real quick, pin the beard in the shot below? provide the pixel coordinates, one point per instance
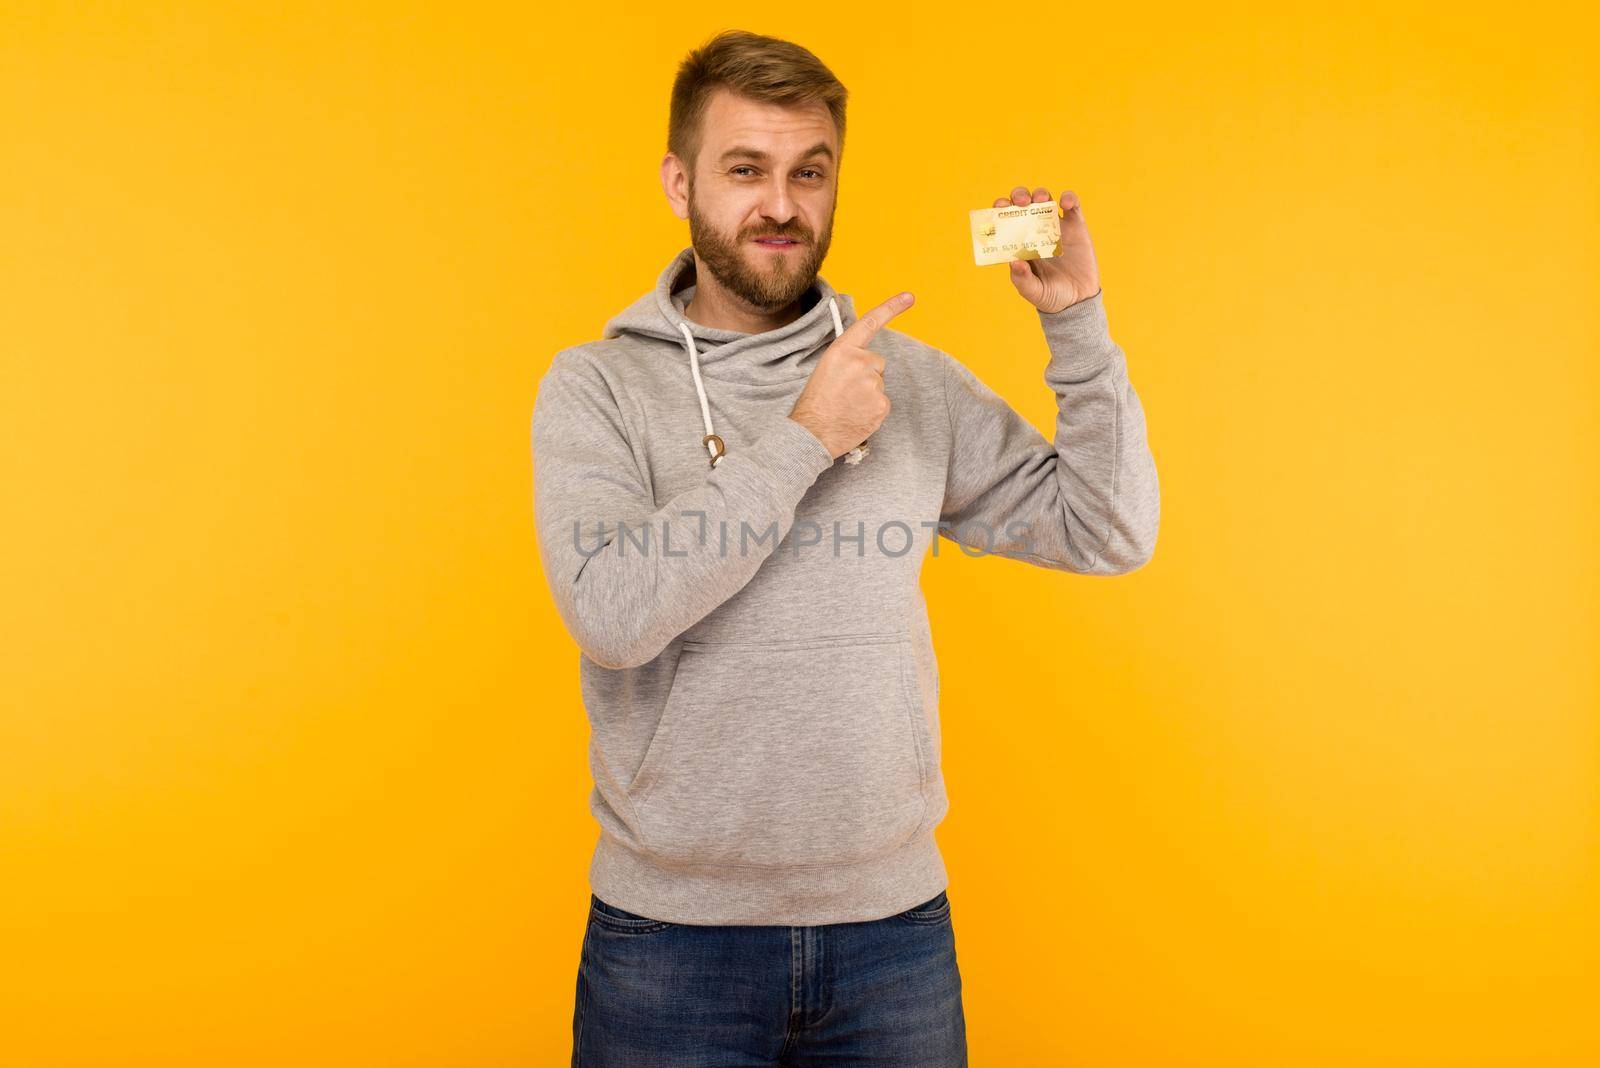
(768, 281)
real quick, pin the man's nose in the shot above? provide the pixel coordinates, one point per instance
(777, 204)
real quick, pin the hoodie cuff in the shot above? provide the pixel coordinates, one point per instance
(1078, 335)
(792, 457)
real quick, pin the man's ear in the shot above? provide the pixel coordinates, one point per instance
(675, 183)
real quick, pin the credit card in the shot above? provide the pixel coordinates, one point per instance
(1025, 232)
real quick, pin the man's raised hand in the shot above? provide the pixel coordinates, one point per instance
(1056, 282)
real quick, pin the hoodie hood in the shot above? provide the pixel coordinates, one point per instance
(774, 355)
(708, 352)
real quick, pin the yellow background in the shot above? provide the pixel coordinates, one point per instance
(292, 760)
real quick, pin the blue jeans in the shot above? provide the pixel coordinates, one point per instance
(875, 994)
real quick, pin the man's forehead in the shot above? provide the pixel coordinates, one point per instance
(733, 123)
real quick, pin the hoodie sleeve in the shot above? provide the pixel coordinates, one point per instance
(1088, 502)
(623, 588)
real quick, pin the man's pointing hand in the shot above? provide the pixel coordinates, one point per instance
(843, 401)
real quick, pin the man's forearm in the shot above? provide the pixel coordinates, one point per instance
(635, 586)
(1087, 500)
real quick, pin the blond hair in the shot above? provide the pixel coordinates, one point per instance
(761, 68)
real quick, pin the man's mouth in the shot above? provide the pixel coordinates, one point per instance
(777, 242)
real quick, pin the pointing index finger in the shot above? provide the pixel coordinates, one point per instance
(862, 330)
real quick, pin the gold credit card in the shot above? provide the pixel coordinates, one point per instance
(1026, 232)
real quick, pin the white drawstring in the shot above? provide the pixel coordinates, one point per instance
(712, 442)
(854, 455)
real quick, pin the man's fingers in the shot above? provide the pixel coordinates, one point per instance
(860, 332)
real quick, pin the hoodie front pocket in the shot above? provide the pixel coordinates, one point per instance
(786, 753)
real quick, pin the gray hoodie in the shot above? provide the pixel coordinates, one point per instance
(755, 656)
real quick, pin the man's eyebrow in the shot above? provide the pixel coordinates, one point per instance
(745, 152)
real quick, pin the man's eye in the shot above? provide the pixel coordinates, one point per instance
(736, 170)
(808, 170)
